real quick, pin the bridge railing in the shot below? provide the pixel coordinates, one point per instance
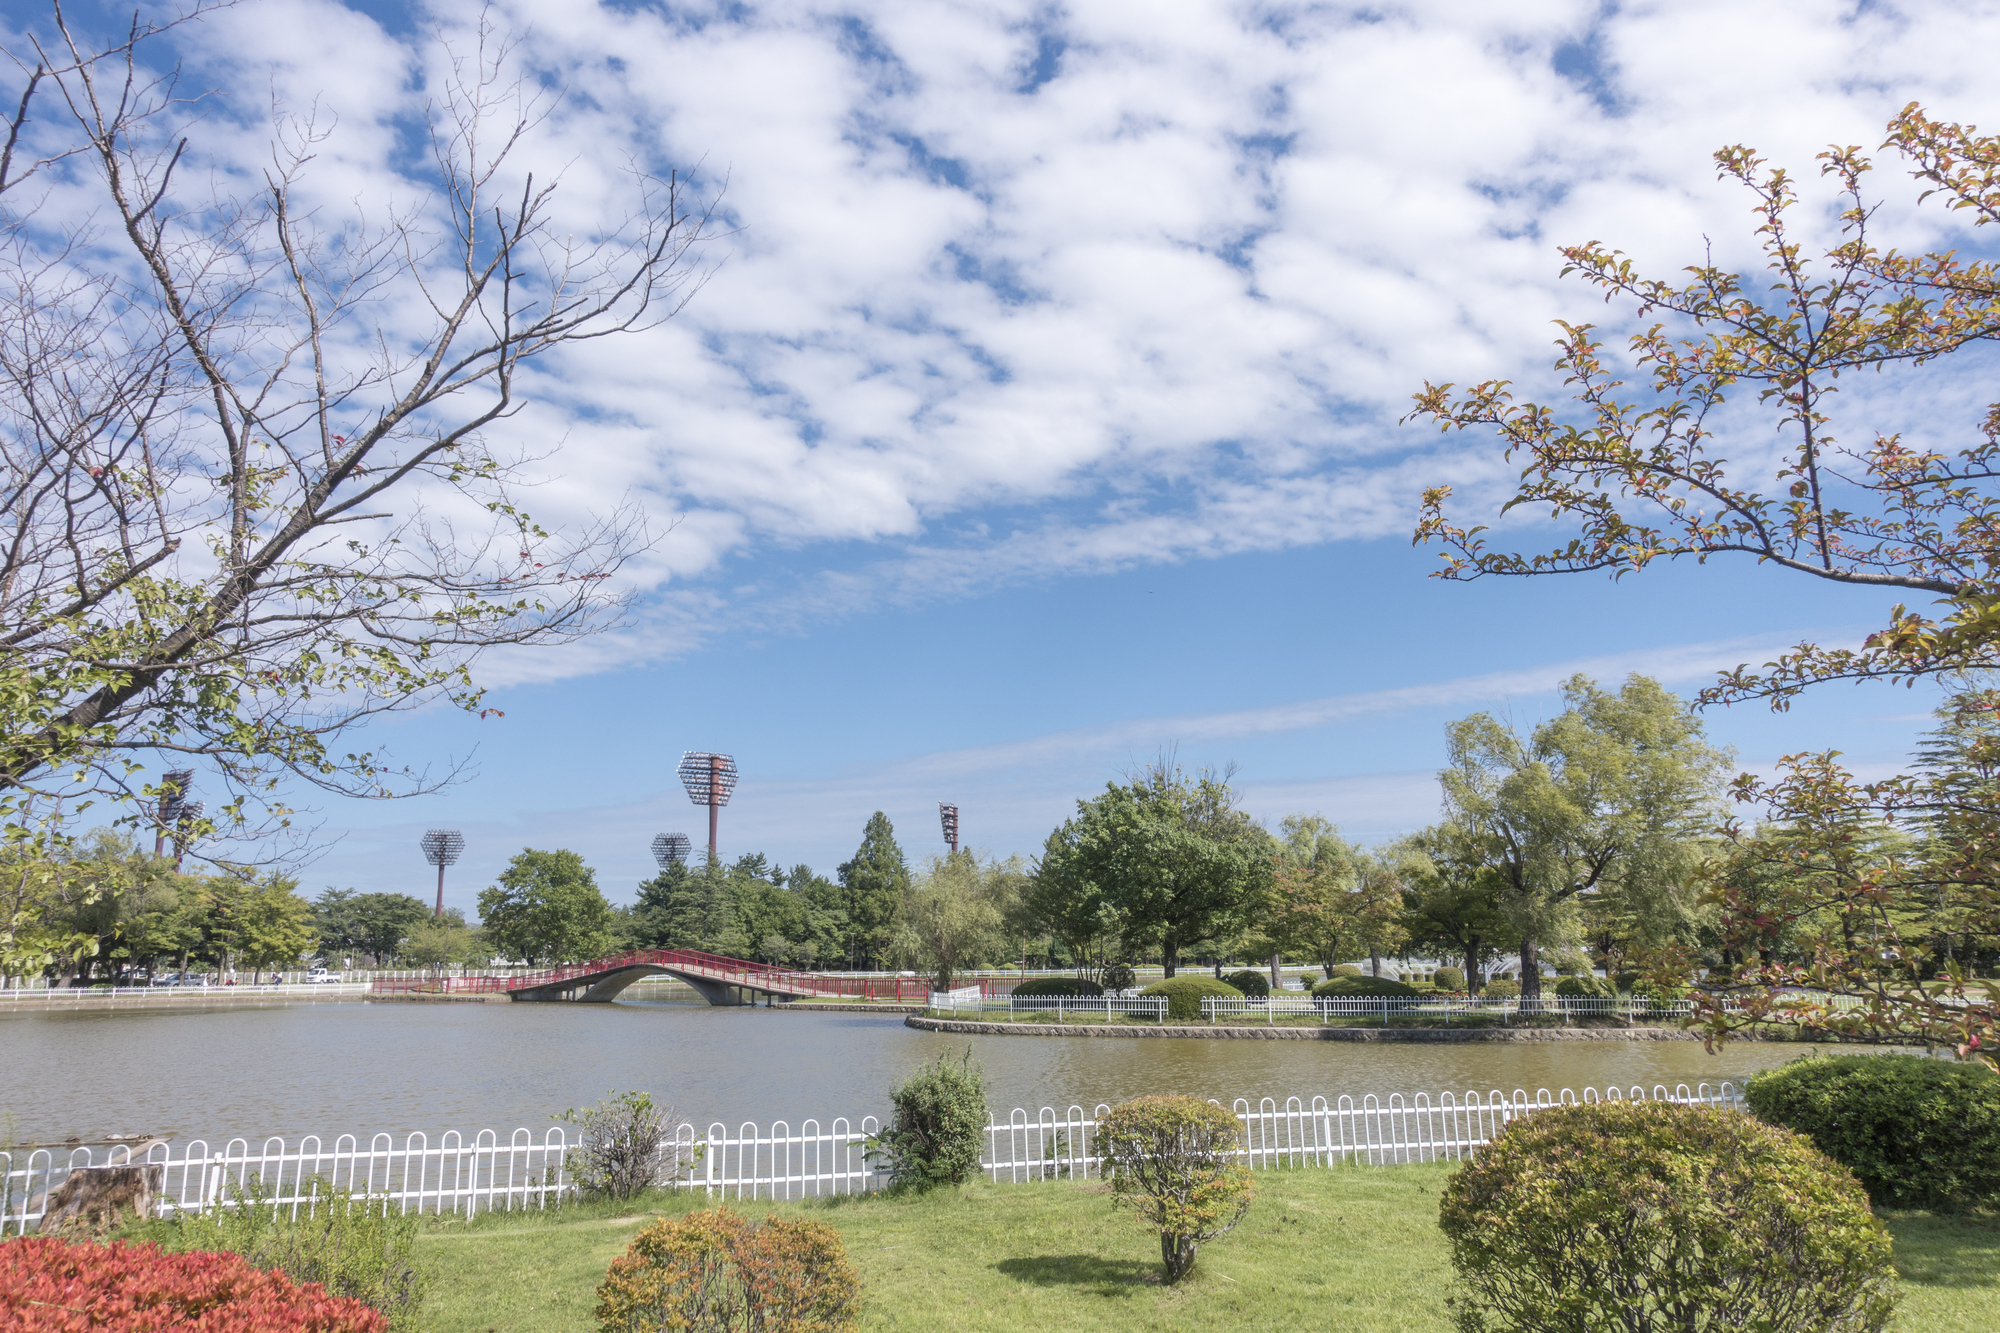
(695, 962)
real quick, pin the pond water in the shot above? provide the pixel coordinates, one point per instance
(361, 1068)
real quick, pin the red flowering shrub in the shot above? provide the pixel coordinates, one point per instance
(51, 1286)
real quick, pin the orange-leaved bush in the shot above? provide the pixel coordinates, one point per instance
(716, 1271)
(52, 1286)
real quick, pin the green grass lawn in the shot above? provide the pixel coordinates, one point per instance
(1343, 1248)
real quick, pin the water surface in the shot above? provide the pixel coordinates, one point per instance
(361, 1068)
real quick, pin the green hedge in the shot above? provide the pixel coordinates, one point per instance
(1630, 1215)
(1502, 989)
(1184, 994)
(1348, 986)
(1918, 1133)
(1448, 978)
(1066, 987)
(1346, 970)
(1585, 988)
(1251, 982)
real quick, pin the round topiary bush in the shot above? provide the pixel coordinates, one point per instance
(717, 1269)
(1185, 994)
(1346, 970)
(1251, 982)
(1648, 1215)
(1918, 1133)
(1068, 988)
(1584, 987)
(1119, 976)
(1342, 987)
(1448, 978)
(1502, 990)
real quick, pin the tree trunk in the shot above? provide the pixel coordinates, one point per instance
(1531, 968)
(1170, 956)
(1276, 979)
(1473, 981)
(1375, 963)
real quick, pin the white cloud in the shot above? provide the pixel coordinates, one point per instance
(1166, 304)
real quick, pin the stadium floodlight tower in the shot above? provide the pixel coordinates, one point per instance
(173, 808)
(709, 778)
(187, 822)
(671, 849)
(948, 816)
(442, 847)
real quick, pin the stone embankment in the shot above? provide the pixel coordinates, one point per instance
(1275, 1033)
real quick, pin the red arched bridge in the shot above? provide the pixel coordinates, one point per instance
(720, 980)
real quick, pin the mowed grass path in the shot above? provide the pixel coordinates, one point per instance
(1344, 1248)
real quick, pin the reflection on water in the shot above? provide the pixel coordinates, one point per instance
(362, 1068)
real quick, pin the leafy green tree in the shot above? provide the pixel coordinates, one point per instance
(1646, 468)
(1608, 797)
(873, 884)
(436, 943)
(1450, 905)
(1168, 857)
(371, 924)
(956, 911)
(255, 922)
(547, 908)
(1327, 900)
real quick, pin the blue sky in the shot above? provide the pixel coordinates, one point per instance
(1040, 413)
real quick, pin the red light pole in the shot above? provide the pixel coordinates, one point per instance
(948, 816)
(709, 778)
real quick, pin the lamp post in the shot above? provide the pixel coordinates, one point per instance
(948, 816)
(709, 778)
(442, 847)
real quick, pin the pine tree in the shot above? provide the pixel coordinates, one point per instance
(872, 886)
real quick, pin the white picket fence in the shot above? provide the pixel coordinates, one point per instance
(1439, 1009)
(135, 997)
(531, 1170)
(1149, 1007)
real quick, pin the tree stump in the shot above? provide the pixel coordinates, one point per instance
(95, 1199)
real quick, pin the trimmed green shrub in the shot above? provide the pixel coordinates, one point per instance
(1585, 987)
(1648, 1215)
(1174, 1157)
(1346, 986)
(1502, 990)
(1918, 1133)
(1448, 978)
(1184, 994)
(1069, 988)
(1251, 982)
(1119, 976)
(1346, 970)
(938, 1128)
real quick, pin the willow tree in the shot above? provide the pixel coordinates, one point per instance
(248, 498)
(1658, 470)
(1611, 798)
